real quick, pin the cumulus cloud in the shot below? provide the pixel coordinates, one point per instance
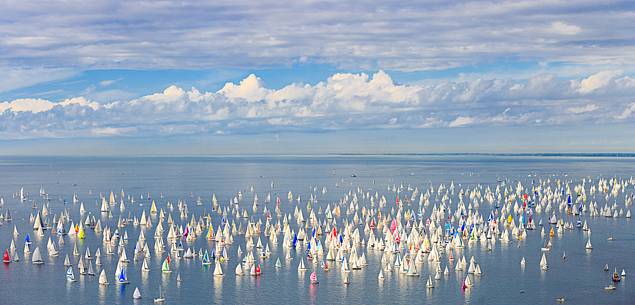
(27, 105)
(598, 80)
(342, 101)
(249, 89)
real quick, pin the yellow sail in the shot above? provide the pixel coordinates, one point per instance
(153, 208)
(210, 233)
(81, 233)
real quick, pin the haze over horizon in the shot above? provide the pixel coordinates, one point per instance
(134, 78)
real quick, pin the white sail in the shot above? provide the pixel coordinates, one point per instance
(543, 262)
(429, 284)
(136, 294)
(103, 279)
(37, 257)
(218, 270)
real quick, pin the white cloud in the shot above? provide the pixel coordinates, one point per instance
(249, 89)
(628, 112)
(462, 121)
(27, 105)
(597, 81)
(248, 34)
(564, 28)
(583, 109)
(111, 131)
(12, 78)
(80, 101)
(342, 101)
(108, 82)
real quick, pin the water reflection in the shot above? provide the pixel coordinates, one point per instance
(102, 293)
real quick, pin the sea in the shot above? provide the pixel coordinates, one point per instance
(580, 279)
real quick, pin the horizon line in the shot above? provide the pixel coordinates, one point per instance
(351, 154)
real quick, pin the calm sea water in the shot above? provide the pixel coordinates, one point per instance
(580, 279)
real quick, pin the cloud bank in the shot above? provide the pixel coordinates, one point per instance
(341, 102)
(390, 35)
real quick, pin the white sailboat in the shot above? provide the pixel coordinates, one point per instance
(103, 279)
(161, 297)
(467, 283)
(137, 294)
(70, 276)
(543, 262)
(429, 284)
(218, 270)
(301, 266)
(37, 257)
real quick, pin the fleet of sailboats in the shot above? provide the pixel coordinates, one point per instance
(313, 236)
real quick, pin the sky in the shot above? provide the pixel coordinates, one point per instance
(316, 77)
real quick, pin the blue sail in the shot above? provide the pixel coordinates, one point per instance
(122, 276)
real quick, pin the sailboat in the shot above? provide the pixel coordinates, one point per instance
(37, 257)
(122, 279)
(239, 269)
(6, 259)
(90, 271)
(301, 266)
(70, 276)
(412, 269)
(255, 270)
(206, 261)
(278, 263)
(103, 280)
(543, 262)
(467, 283)
(218, 270)
(429, 283)
(137, 294)
(616, 276)
(165, 268)
(313, 278)
(588, 244)
(161, 297)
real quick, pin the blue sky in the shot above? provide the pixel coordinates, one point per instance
(136, 77)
